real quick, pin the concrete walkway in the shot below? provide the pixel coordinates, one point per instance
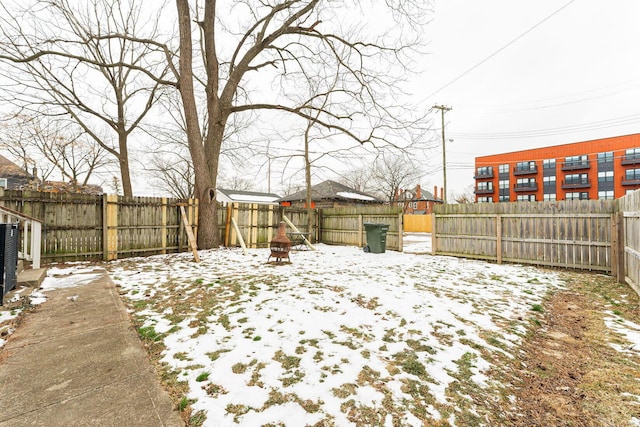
(76, 360)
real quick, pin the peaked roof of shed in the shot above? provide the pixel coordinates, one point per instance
(331, 190)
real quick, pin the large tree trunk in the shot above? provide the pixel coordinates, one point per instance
(202, 157)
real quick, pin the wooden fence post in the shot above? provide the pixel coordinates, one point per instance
(163, 238)
(433, 234)
(110, 227)
(617, 247)
(400, 231)
(499, 239)
(360, 237)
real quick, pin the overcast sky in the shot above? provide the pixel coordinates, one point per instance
(523, 74)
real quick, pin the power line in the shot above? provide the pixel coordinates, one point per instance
(501, 49)
(589, 126)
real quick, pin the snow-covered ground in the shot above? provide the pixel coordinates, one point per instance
(338, 336)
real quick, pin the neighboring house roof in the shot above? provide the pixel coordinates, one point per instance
(417, 194)
(8, 169)
(237, 196)
(331, 190)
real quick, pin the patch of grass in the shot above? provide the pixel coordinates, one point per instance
(214, 355)
(202, 377)
(418, 346)
(239, 368)
(257, 338)
(199, 281)
(148, 333)
(344, 391)
(183, 403)
(287, 362)
(537, 308)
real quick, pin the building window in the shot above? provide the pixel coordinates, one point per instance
(549, 197)
(632, 154)
(526, 198)
(577, 196)
(606, 157)
(549, 181)
(3, 183)
(549, 164)
(503, 198)
(608, 194)
(525, 166)
(503, 168)
(576, 160)
(485, 186)
(605, 176)
(577, 178)
(632, 175)
(485, 171)
(485, 199)
(504, 183)
(526, 183)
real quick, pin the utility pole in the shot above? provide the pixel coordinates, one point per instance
(442, 109)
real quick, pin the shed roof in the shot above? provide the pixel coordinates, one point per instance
(246, 196)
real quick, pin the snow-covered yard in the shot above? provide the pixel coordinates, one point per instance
(338, 335)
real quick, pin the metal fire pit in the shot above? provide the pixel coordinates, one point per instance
(280, 245)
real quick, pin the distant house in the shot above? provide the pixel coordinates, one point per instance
(12, 176)
(417, 201)
(330, 194)
(237, 196)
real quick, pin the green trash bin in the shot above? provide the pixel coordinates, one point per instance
(376, 237)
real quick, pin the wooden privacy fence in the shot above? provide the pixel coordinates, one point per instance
(345, 226)
(569, 234)
(82, 226)
(629, 232)
(258, 223)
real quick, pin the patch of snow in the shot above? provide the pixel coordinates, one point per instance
(356, 196)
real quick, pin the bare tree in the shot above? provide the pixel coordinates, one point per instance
(392, 172)
(360, 178)
(79, 59)
(52, 145)
(288, 42)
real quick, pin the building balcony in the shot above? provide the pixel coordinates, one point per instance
(525, 171)
(523, 188)
(483, 191)
(571, 185)
(486, 175)
(631, 182)
(573, 166)
(631, 159)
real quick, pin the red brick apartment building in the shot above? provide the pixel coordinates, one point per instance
(601, 169)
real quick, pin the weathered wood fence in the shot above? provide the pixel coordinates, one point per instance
(83, 227)
(629, 233)
(569, 234)
(599, 235)
(345, 226)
